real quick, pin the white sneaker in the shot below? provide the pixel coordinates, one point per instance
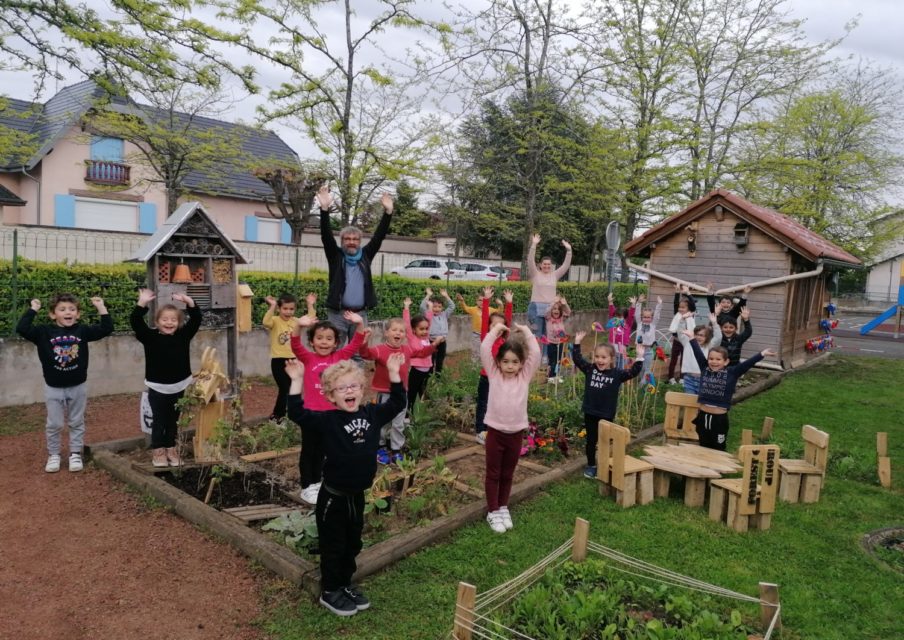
(550, 380)
(482, 437)
(75, 462)
(309, 494)
(494, 519)
(506, 518)
(53, 464)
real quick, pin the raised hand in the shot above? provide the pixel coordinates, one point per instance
(184, 298)
(745, 314)
(444, 293)
(387, 202)
(642, 298)
(98, 303)
(311, 299)
(144, 297)
(567, 245)
(438, 340)
(658, 299)
(352, 317)
(324, 197)
(610, 298)
(428, 292)
(688, 333)
(685, 289)
(768, 352)
(579, 337)
(294, 369)
(271, 301)
(305, 321)
(747, 289)
(640, 350)
(712, 319)
(509, 295)
(460, 298)
(678, 287)
(394, 364)
(535, 239)
(406, 302)
(632, 300)
(488, 293)
(35, 304)
(523, 328)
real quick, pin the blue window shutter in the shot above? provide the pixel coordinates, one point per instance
(251, 228)
(64, 210)
(147, 217)
(285, 232)
(109, 149)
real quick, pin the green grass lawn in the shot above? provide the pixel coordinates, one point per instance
(829, 588)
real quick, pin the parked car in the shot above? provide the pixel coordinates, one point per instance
(485, 272)
(431, 268)
(513, 273)
(633, 275)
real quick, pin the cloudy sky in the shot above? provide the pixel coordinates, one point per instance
(877, 38)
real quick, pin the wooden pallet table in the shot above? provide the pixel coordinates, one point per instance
(694, 463)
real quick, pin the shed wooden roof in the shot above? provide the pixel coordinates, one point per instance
(782, 228)
(179, 217)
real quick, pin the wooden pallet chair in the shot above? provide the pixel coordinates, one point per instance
(748, 501)
(801, 480)
(680, 411)
(630, 479)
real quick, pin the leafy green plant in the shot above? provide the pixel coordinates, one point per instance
(297, 530)
(422, 424)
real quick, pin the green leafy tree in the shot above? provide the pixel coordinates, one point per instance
(408, 219)
(831, 157)
(366, 117)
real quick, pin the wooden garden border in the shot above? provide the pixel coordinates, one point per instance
(288, 564)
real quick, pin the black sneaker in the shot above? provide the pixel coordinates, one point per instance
(338, 602)
(354, 594)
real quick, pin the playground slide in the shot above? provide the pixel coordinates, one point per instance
(875, 322)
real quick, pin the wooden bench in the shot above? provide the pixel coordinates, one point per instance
(801, 480)
(748, 501)
(695, 464)
(680, 411)
(629, 478)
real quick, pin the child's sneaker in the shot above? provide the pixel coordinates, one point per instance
(506, 518)
(75, 462)
(383, 456)
(590, 472)
(397, 456)
(494, 519)
(309, 494)
(354, 594)
(673, 381)
(482, 437)
(339, 603)
(53, 464)
(173, 458)
(159, 458)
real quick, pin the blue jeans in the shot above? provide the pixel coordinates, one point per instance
(691, 383)
(346, 329)
(536, 317)
(647, 361)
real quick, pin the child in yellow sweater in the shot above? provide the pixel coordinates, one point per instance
(280, 321)
(476, 313)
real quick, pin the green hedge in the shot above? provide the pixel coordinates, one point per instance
(118, 285)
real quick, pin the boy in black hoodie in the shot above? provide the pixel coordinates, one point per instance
(63, 352)
(351, 437)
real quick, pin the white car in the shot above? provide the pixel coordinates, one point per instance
(431, 269)
(484, 272)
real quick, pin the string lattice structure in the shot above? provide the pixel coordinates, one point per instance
(485, 603)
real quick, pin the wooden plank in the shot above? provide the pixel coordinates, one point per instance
(798, 466)
(661, 482)
(269, 455)
(789, 486)
(814, 436)
(746, 436)
(679, 468)
(252, 515)
(882, 444)
(766, 431)
(810, 487)
(468, 489)
(581, 534)
(769, 606)
(645, 487)
(147, 467)
(885, 472)
(627, 495)
(464, 611)
(694, 492)
(717, 498)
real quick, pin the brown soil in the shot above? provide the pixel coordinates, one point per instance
(81, 557)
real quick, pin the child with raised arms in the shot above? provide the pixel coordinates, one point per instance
(556, 339)
(602, 382)
(683, 303)
(395, 342)
(437, 310)
(63, 353)
(323, 337)
(475, 313)
(489, 318)
(510, 372)
(707, 336)
(350, 432)
(417, 332)
(646, 329)
(718, 380)
(167, 367)
(621, 325)
(732, 341)
(279, 320)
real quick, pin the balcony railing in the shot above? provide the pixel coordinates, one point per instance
(104, 172)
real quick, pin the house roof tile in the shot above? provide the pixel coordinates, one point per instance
(782, 228)
(10, 199)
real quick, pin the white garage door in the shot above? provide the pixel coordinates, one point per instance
(106, 214)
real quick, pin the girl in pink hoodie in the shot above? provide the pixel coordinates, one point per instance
(509, 373)
(620, 325)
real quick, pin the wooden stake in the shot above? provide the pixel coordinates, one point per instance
(769, 605)
(883, 459)
(581, 533)
(464, 611)
(766, 433)
(746, 436)
(213, 482)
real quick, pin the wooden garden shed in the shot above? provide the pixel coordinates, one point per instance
(724, 239)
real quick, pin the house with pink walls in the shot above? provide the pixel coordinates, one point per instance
(73, 179)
